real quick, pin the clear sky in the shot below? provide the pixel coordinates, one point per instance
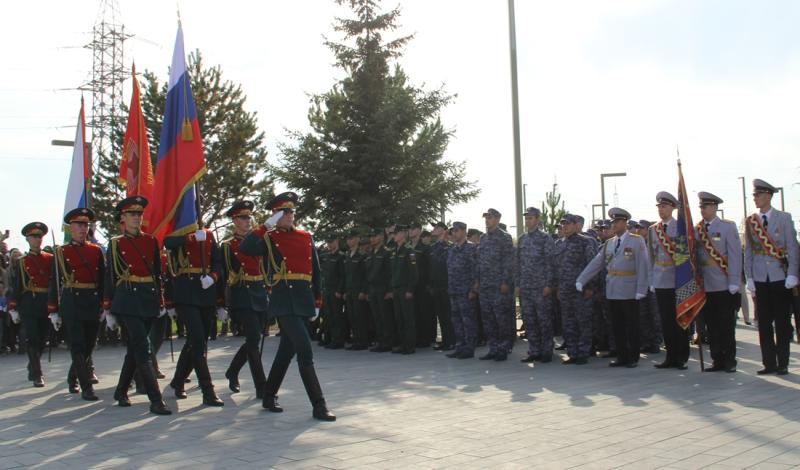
(605, 86)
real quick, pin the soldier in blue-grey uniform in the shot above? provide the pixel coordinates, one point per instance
(770, 265)
(534, 278)
(662, 281)
(627, 280)
(461, 272)
(719, 255)
(494, 281)
(571, 256)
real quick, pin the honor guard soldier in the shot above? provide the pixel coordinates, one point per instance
(662, 281)
(534, 277)
(495, 257)
(27, 301)
(245, 294)
(76, 292)
(195, 265)
(133, 297)
(295, 279)
(404, 281)
(627, 281)
(770, 266)
(719, 254)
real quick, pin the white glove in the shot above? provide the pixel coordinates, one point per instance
(579, 286)
(653, 289)
(791, 281)
(222, 314)
(55, 319)
(172, 313)
(206, 281)
(316, 315)
(111, 321)
(14, 316)
(162, 312)
(273, 219)
(640, 296)
(751, 286)
(733, 288)
(200, 235)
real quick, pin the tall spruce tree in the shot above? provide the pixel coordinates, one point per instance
(552, 210)
(235, 154)
(376, 145)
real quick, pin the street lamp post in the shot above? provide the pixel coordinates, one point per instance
(512, 38)
(780, 190)
(594, 216)
(603, 176)
(744, 198)
(525, 196)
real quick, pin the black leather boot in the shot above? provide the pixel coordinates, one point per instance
(157, 369)
(257, 371)
(182, 369)
(148, 376)
(36, 368)
(210, 398)
(314, 391)
(72, 380)
(270, 398)
(82, 372)
(124, 383)
(90, 371)
(232, 374)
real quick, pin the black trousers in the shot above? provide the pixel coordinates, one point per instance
(198, 322)
(676, 338)
(294, 340)
(625, 322)
(720, 319)
(442, 313)
(773, 301)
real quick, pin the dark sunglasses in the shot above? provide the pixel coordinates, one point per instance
(244, 217)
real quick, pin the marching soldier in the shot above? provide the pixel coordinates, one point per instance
(437, 284)
(27, 299)
(378, 277)
(625, 257)
(332, 269)
(79, 273)
(662, 281)
(294, 268)
(572, 254)
(245, 292)
(719, 254)
(355, 293)
(133, 297)
(195, 265)
(770, 264)
(494, 280)
(535, 280)
(404, 281)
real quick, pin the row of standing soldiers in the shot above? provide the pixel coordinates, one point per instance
(612, 288)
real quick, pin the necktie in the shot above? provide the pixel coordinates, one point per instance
(707, 225)
(616, 247)
(764, 219)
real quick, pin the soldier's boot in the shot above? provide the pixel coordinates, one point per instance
(314, 391)
(90, 370)
(36, 369)
(82, 372)
(232, 374)
(210, 398)
(124, 383)
(257, 370)
(137, 380)
(72, 380)
(147, 374)
(159, 374)
(182, 370)
(276, 374)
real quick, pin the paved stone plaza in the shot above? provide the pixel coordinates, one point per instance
(420, 411)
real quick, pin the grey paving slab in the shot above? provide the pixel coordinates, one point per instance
(420, 411)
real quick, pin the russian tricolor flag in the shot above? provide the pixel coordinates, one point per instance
(78, 184)
(180, 162)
